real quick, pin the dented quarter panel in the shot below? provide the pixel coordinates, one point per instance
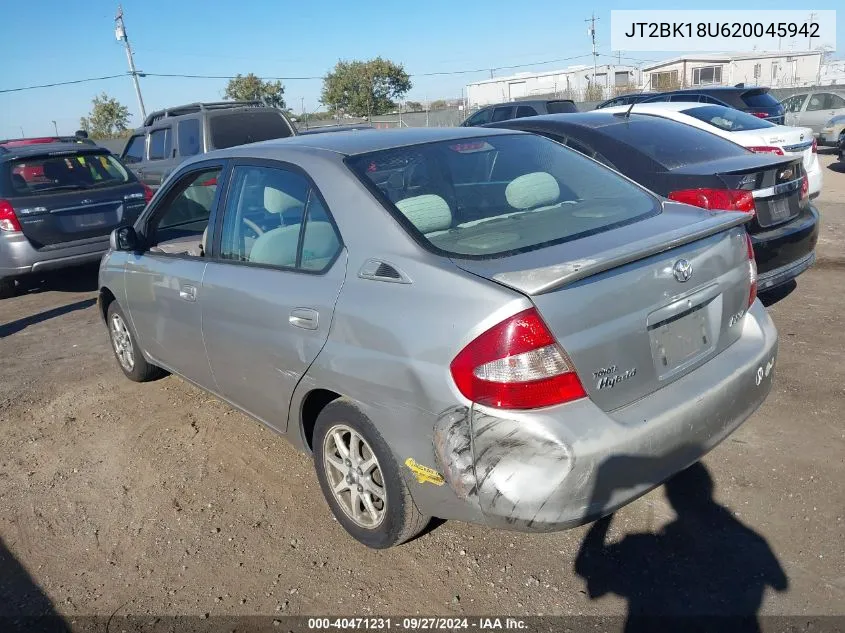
(563, 466)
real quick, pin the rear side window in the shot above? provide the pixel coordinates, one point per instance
(759, 100)
(134, 152)
(727, 119)
(560, 107)
(160, 144)
(240, 128)
(501, 114)
(189, 137)
(671, 143)
(524, 111)
(43, 174)
(485, 197)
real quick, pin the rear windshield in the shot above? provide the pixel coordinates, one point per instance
(728, 119)
(671, 143)
(759, 100)
(65, 172)
(484, 197)
(239, 128)
(560, 107)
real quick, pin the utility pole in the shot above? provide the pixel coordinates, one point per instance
(591, 30)
(809, 40)
(55, 128)
(120, 34)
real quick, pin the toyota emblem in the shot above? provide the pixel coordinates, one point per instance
(682, 270)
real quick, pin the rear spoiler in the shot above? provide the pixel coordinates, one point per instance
(541, 280)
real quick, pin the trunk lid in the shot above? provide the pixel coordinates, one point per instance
(67, 196)
(775, 182)
(796, 142)
(614, 303)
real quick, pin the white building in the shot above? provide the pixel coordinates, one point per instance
(569, 83)
(782, 69)
(833, 73)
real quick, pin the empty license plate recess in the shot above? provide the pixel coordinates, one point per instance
(680, 340)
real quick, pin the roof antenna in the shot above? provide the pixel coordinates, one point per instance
(628, 111)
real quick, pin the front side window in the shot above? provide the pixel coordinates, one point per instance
(817, 102)
(479, 118)
(274, 217)
(179, 224)
(497, 195)
(728, 119)
(793, 104)
(189, 137)
(160, 144)
(134, 152)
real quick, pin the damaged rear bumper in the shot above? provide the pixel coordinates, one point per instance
(563, 466)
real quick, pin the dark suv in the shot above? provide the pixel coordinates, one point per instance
(756, 100)
(518, 110)
(58, 203)
(172, 135)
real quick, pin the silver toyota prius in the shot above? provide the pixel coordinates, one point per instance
(469, 324)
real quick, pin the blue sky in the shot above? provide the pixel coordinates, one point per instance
(57, 41)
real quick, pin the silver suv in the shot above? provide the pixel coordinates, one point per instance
(173, 135)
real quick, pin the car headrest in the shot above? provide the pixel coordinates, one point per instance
(277, 201)
(429, 212)
(55, 170)
(532, 190)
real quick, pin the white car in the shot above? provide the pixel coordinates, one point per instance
(743, 129)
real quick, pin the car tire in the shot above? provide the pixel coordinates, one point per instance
(7, 288)
(396, 518)
(125, 348)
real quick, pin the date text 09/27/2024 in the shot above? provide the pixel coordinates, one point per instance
(417, 623)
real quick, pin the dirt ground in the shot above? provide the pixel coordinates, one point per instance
(120, 498)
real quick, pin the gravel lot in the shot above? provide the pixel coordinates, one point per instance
(119, 498)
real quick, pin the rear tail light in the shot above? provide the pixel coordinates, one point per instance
(148, 193)
(815, 146)
(760, 115)
(805, 187)
(8, 220)
(716, 199)
(752, 270)
(766, 149)
(516, 364)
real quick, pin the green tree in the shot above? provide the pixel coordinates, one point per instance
(252, 88)
(365, 88)
(440, 104)
(414, 106)
(108, 118)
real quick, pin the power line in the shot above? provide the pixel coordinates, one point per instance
(186, 76)
(61, 83)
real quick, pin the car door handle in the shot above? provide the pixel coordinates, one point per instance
(188, 293)
(306, 318)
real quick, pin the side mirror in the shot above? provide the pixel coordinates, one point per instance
(123, 238)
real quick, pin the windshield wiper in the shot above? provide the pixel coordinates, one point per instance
(61, 187)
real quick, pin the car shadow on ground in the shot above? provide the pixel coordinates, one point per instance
(23, 605)
(838, 167)
(704, 571)
(7, 329)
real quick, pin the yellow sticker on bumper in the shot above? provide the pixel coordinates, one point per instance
(424, 474)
